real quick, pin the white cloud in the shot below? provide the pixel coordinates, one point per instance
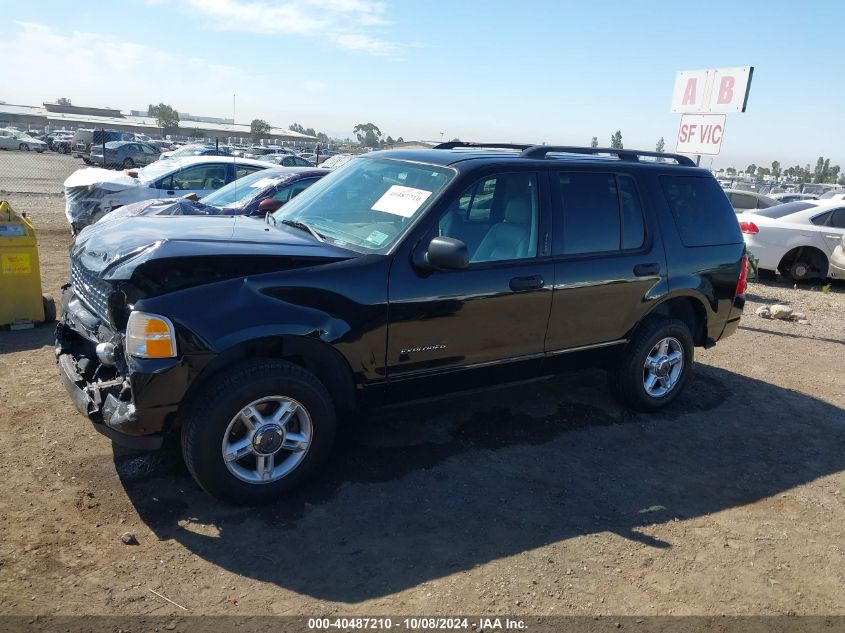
(100, 69)
(347, 23)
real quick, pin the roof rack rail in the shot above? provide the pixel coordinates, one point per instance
(458, 144)
(540, 151)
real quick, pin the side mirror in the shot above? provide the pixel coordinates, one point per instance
(268, 205)
(442, 253)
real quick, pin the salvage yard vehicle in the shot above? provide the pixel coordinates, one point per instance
(744, 201)
(404, 274)
(93, 192)
(84, 140)
(285, 160)
(124, 154)
(796, 239)
(257, 194)
(13, 139)
(195, 150)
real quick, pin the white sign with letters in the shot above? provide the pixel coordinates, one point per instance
(701, 134)
(400, 200)
(719, 90)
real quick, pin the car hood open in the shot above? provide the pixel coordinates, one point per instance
(113, 250)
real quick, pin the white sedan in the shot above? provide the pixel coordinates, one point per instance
(796, 238)
(92, 192)
(12, 139)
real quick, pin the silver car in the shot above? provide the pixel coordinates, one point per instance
(12, 139)
(124, 154)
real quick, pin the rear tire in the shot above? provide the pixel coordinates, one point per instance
(642, 361)
(128, 163)
(220, 418)
(23, 147)
(801, 271)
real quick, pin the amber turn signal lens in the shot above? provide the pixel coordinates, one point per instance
(150, 336)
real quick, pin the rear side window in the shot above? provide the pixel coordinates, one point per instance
(783, 210)
(702, 213)
(601, 213)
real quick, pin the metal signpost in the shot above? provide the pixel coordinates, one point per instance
(704, 98)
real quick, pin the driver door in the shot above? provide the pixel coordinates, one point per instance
(491, 315)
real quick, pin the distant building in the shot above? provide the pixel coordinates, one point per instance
(54, 116)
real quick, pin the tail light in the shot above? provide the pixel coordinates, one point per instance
(742, 284)
(749, 228)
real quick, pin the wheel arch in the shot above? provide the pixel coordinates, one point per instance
(816, 257)
(328, 365)
(687, 308)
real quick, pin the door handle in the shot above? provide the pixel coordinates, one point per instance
(646, 270)
(532, 282)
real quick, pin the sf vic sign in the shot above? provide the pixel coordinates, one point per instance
(703, 97)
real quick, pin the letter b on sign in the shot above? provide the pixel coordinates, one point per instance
(726, 89)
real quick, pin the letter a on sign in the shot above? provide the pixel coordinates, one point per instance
(689, 93)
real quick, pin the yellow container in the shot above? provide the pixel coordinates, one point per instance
(20, 276)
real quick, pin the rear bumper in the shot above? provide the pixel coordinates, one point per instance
(734, 317)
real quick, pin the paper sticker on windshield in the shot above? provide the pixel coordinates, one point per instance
(400, 200)
(377, 238)
(263, 182)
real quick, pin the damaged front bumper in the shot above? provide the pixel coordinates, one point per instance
(130, 402)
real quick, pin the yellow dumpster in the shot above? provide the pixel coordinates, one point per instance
(21, 302)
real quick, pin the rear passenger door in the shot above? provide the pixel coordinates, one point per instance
(609, 259)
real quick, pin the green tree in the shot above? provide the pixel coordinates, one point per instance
(776, 169)
(833, 174)
(296, 127)
(400, 140)
(731, 171)
(258, 129)
(751, 169)
(660, 148)
(818, 173)
(763, 171)
(167, 117)
(594, 142)
(368, 134)
(389, 140)
(616, 140)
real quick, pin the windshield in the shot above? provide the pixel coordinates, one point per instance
(783, 210)
(242, 191)
(369, 203)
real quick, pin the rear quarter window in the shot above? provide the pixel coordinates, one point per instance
(701, 210)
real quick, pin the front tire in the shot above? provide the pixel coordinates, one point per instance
(655, 365)
(23, 147)
(257, 432)
(128, 163)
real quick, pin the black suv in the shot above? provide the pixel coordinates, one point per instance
(401, 275)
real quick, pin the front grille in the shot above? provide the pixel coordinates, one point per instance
(92, 290)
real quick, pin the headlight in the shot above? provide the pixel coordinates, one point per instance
(150, 336)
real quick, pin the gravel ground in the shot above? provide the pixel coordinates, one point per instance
(31, 172)
(541, 498)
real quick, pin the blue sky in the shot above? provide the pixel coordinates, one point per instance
(553, 71)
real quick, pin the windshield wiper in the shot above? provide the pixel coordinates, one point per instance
(304, 227)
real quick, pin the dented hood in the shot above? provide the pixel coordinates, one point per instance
(114, 250)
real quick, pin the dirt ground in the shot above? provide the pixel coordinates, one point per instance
(541, 498)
